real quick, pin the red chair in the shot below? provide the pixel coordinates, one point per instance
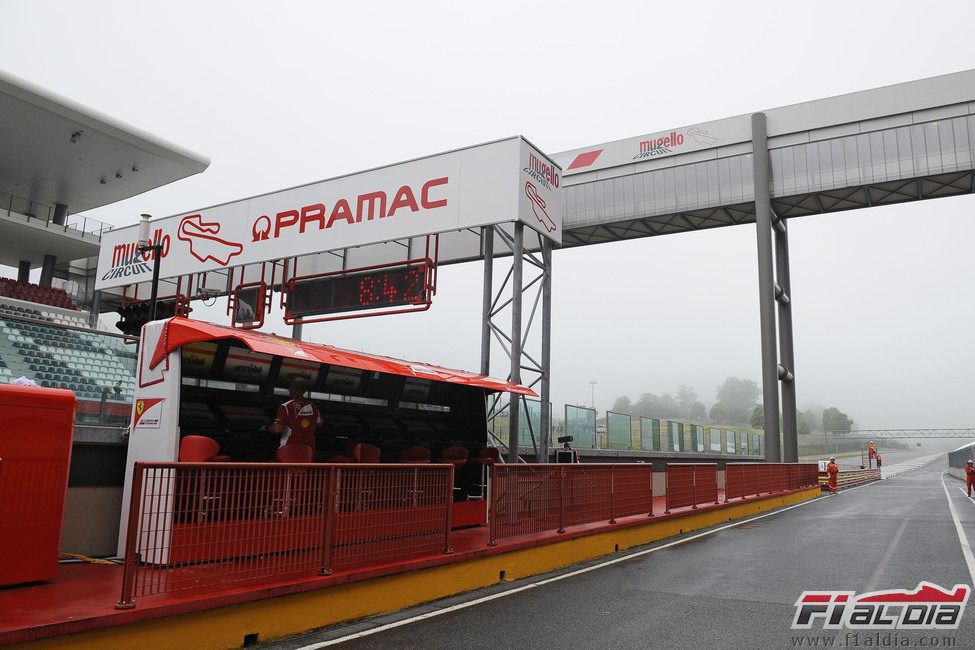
(414, 455)
(294, 453)
(346, 458)
(200, 449)
(456, 456)
(365, 453)
(487, 456)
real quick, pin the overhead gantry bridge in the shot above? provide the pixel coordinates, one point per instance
(906, 142)
(897, 434)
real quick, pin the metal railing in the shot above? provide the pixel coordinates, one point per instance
(197, 525)
(36, 212)
(691, 484)
(531, 499)
(752, 479)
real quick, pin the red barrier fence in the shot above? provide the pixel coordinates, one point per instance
(195, 525)
(690, 484)
(532, 499)
(749, 479)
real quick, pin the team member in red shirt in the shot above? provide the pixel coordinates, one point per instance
(298, 418)
(970, 476)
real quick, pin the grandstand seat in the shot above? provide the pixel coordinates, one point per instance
(200, 449)
(456, 456)
(294, 453)
(347, 458)
(487, 456)
(365, 453)
(414, 455)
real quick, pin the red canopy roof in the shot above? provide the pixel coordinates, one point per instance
(181, 331)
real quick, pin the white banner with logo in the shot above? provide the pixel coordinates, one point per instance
(493, 183)
(708, 135)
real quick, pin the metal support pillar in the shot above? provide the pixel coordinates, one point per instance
(487, 245)
(47, 270)
(766, 286)
(96, 303)
(23, 271)
(544, 393)
(531, 266)
(790, 438)
(60, 214)
(296, 331)
(517, 267)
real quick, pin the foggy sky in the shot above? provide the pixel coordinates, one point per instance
(287, 93)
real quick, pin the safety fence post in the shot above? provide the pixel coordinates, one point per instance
(449, 496)
(612, 494)
(493, 507)
(131, 534)
(331, 507)
(650, 491)
(694, 486)
(561, 499)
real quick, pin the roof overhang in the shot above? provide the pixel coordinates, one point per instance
(182, 331)
(53, 150)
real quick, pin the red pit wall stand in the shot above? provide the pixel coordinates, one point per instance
(35, 453)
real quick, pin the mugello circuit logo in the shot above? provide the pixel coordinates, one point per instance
(202, 237)
(658, 146)
(929, 607)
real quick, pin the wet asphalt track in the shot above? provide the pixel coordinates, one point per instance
(733, 589)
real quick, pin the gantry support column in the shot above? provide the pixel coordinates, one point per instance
(515, 335)
(487, 249)
(766, 287)
(517, 269)
(790, 438)
(544, 393)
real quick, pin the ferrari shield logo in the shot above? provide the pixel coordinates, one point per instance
(140, 406)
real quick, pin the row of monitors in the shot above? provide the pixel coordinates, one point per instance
(246, 366)
(205, 415)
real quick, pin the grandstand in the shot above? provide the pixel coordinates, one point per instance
(57, 161)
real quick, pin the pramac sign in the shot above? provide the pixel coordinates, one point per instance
(493, 183)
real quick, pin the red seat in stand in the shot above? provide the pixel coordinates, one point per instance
(487, 456)
(414, 455)
(294, 453)
(365, 453)
(200, 449)
(346, 458)
(456, 456)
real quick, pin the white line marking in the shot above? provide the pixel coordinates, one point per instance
(962, 538)
(515, 590)
(965, 493)
(872, 583)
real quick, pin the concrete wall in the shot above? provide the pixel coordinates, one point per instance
(91, 517)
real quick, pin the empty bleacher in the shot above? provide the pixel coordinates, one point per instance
(34, 293)
(37, 342)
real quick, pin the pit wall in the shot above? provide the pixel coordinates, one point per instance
(262, 620)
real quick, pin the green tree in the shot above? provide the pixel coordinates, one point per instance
(737, 398)
(623, 405)
(836, 420)
(758, 417)
(758, 420)
(803, 424)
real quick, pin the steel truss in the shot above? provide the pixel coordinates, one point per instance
(888, 434)
(513, 334)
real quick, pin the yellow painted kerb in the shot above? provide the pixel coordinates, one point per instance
(225, 627)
